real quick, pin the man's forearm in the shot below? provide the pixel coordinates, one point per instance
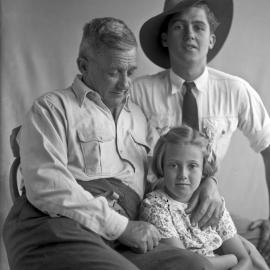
(266, 158)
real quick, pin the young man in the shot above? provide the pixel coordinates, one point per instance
(183, 39)
(84, 159)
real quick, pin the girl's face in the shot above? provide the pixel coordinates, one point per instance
(183, 166)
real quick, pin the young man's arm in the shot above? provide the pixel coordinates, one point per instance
(206, 204)
(264, 225)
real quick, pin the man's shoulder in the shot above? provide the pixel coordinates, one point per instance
(221, 76)
(146, 85)
(55, 97)
(151, 78)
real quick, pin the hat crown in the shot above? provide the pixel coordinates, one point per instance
(169, 4)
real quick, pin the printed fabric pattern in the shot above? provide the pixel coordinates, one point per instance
(171, 220)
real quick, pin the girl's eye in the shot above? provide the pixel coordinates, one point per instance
(172, 165)
(193, 165)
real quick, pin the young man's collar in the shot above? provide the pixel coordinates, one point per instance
(177, 81)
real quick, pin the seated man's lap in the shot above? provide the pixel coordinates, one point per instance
(36, 241)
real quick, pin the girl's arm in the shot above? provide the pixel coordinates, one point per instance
(173, 241)
(223, 262)
(235, 246)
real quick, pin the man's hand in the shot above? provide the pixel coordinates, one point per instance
(264, 241)
(206, 205)
(140, 236)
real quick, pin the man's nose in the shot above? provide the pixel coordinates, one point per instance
(124, 81)
(189, 31)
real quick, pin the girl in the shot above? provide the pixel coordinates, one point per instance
(181, 158)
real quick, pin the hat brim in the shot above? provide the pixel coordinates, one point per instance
(150, 31)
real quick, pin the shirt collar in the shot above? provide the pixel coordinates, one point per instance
(82, 91)
(177, 81)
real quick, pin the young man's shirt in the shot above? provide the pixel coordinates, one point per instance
(225, 103)
(71, 135)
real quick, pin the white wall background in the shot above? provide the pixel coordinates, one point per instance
(39, 44)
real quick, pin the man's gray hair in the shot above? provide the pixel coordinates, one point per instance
(106, 32)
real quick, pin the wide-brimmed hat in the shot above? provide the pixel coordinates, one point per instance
(150, 31)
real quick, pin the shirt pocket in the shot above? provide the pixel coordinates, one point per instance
(161, 122)
(219, 131)
(94, 145)
(136, 149)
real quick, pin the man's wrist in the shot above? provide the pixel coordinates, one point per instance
(214, 179)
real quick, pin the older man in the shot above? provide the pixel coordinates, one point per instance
(84, 162)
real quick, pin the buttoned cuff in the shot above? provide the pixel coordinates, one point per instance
(115, 225)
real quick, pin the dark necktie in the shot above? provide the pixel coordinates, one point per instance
(190, 109)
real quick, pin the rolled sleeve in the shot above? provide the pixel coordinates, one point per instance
(254, 120)
(263, 140)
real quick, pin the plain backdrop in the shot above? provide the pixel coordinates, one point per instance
(39, 46)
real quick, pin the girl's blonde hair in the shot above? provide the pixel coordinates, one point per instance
(183, 135)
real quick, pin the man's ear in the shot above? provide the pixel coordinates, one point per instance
(164, 39)
(82, 64)
(212, 41)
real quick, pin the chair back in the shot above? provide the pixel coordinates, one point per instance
(15, 191)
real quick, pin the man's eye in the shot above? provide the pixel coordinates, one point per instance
(130, 73)
(178, 26)
(113, 73)
(199, 28)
